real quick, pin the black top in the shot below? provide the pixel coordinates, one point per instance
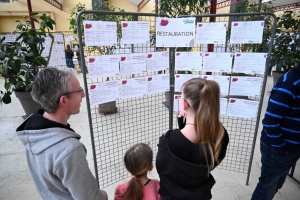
(36, 121)
(182, 167)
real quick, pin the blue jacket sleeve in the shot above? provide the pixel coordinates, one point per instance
(278, 106)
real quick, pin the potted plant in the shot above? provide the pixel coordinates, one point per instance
(287, 42)
(109, 107)
(20, 60)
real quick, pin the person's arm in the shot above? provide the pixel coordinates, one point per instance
(76, 176)
(279, 104)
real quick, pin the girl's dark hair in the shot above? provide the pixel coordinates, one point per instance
(137, 160)
(204, 97)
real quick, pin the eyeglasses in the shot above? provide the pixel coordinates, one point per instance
(67, 93)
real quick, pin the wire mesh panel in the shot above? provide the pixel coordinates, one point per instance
(242, 131)
(117, 125)
(57, 58)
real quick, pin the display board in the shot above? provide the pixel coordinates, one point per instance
(143, 82)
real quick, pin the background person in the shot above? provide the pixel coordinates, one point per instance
(138, 161)
(185, 157)
(69, 54)
(56, 158)
(280, 137)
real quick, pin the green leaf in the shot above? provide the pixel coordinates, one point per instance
(43, 61)
(7, 85)
(29, 54)
(28, 87)
(28, 76)
(34, 19)
(6, 98)
(33, 13)
(2, 55)
(19, 84)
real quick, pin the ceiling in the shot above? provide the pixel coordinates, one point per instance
(135, 2)
(283, 2)
(274, 2)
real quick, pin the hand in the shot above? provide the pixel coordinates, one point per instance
(181, 121)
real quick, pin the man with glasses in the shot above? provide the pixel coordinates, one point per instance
(56, 158)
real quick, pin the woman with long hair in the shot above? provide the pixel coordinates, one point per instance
(69, 57)
(187, 155)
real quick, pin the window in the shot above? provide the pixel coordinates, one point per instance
(4, 1)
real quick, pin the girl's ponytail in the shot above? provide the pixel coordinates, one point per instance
(204, 96)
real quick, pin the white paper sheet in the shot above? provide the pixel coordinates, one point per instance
(104, 92)
(134, 32)
(134, 87)
(245, 86)
(176, 103)
(158, 83)
(223, 82)
(100, 33)
(217, 62)
(223, 106)
(103, 66)
(157, 61)
(249, 32)
(180, 79)
(175, 32)
(211, 33)
(242, 108)
(188, 61)
(132, 63)
(250, 63)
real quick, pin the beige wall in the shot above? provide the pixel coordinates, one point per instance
(123, 4)
(9, 12)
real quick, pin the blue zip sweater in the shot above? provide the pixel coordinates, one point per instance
(281, 125)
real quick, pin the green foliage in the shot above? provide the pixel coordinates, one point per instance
(248, 7)
(96, 17)
(174, 8)
(287, 42)
(20, 60)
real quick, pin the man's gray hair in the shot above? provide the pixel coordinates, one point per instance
(48, 86)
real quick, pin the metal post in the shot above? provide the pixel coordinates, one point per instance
(30, 11)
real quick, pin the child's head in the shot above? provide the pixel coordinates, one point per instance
(138, 161)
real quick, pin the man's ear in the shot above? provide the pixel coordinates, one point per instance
(63, 101)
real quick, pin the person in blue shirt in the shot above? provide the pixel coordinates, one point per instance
(280, 137)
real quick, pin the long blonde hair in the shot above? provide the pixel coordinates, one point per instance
(204, 98)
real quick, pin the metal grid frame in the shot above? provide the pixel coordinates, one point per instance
(144, 119)
(242, 132)
(139, 119)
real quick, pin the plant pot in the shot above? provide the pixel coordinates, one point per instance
(276, 75)
(107, 108)
(27, 102)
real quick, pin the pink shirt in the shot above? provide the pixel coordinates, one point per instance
(150, 190)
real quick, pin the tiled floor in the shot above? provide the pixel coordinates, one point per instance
(16, 183)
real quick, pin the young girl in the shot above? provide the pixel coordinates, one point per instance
(138, 161)
(185, 157)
